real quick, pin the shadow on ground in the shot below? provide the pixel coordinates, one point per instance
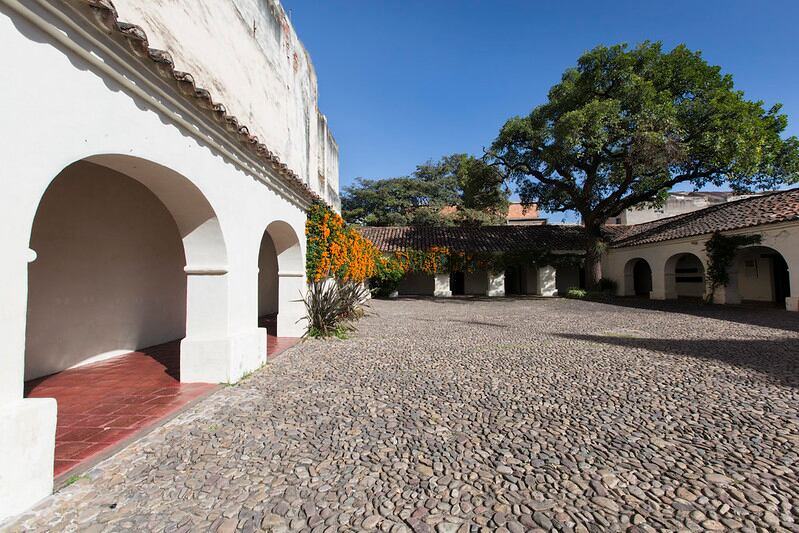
(750, 314)
(776, 358)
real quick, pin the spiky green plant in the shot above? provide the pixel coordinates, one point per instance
(333, 307)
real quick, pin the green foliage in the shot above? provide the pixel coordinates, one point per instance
(721, 251)
(625, 125)
(607, 286)
(576, 293)
(332, 307)
(474, 189)
(387, 277)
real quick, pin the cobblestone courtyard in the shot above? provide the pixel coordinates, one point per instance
(471, 415)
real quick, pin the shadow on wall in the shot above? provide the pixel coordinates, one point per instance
(776, 358)
(109, 276)
(753, 315)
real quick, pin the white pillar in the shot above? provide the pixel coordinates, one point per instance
(496, 284)
(659, 290)
(213, 351)
(792, 302)
(547, 281)
(442, 288)
(27, 426)
(291, 309)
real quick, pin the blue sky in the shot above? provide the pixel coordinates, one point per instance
(409, 80)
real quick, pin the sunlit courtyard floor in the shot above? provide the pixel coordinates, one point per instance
(480, 415)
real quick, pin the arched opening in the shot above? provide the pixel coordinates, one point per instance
(109, 300)
(281, 282)
(763, 276)
(637, 278)
(108, 277)
(684, 276)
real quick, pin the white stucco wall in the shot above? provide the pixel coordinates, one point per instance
(64, 104)
(257, 67)
(781, 237)
(108, 276)
(755, 271)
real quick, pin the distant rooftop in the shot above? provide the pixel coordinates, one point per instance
(492, 239)
(768, 208)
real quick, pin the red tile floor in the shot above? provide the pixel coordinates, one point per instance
(103, 406)
(275, 345)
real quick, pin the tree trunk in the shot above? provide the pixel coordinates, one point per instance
(593, 257)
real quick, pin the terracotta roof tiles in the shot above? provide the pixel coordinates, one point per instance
(106, 16)
(491, 239)
(782, 206)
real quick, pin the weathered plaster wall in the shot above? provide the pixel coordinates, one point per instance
(247, 54)
(755, 274)
(108, 277)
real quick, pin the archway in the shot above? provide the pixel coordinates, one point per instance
(109, 302)
(684, 276)
(281, 281)
(763, 275)
(637, 278)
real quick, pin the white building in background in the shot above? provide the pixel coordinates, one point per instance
(158, 161)
(677, 203)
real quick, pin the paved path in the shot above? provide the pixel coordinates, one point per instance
(503, 415)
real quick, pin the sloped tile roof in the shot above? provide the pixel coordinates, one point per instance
(492, 239)
(106, 17)
(782, 206)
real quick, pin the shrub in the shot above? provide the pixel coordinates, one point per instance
(576, 293)
(607, 286)
(332, 307)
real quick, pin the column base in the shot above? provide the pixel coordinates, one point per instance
(496, 285)
(792, 303)
(441, 287)
(223, 360)
(27, 448)
(547, 281)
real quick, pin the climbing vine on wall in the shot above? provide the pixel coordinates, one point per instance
(336, 249)
(721, 252)
(391, 268)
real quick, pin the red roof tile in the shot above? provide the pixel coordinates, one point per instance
(782, 206)
(105, 15)
(493, 239)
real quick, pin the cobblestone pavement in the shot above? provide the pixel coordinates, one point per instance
(471, 415)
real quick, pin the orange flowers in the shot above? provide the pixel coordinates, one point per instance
(336, 249)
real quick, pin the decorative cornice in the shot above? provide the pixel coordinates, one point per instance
(224, 131)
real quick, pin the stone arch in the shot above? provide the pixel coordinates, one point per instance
(684, 276)
(135, 252)
(281, 281)
(637, 277)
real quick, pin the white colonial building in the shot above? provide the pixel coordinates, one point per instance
(666, 259)
(158, 159)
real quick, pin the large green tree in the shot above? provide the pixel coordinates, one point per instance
(627, 124)
(456, 190)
